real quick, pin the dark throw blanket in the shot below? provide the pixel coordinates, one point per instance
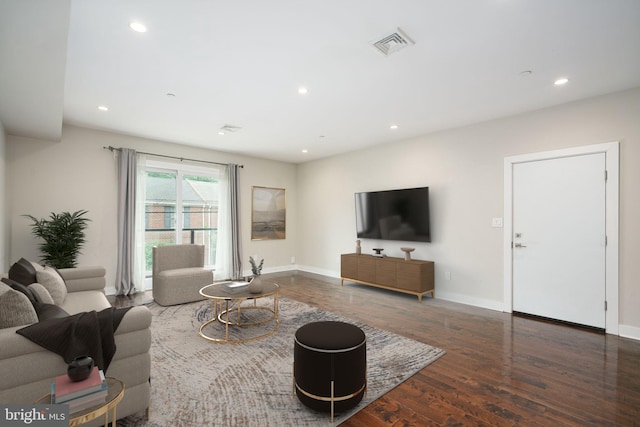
(83, 334)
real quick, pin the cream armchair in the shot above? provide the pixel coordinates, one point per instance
(179, 273)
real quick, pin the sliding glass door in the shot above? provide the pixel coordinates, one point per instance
(181, 207)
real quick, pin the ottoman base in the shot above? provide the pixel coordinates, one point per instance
(330, 366)
(331, 403)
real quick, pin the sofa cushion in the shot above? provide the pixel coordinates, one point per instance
(77, 302)
(41, 292)
(53, 282)
(49, 311)
(16, 310)
(23, 272)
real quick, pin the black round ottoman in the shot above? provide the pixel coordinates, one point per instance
(330, 366)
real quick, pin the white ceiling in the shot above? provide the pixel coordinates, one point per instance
(241, 63)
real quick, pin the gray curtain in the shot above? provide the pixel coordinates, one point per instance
(236, 248)
(127, 173)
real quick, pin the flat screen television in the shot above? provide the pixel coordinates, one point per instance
(394, 215)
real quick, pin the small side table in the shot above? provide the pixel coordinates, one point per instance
(115, 392)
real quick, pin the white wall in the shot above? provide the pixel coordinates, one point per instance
(4, 244)
(463, 168)
(464, 171)
(77, 173)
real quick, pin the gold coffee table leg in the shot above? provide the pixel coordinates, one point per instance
(275, 305)
(226, 332)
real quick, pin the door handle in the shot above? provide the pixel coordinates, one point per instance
(520, 245)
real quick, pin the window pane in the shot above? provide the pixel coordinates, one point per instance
(200, 213)
(160, 212)
(198, 201)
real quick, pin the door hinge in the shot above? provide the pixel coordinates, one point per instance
(606, 175)
(605, 306)
(606, 240)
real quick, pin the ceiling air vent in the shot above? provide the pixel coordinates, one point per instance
(230, 128)
(393, 42)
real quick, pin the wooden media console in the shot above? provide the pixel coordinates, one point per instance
(413, 277)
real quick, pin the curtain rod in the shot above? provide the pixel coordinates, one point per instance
(110, 148)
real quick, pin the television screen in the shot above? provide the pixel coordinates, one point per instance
(394, 215)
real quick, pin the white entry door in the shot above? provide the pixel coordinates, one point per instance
(559, 237)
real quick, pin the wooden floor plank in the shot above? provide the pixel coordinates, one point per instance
(499, 370)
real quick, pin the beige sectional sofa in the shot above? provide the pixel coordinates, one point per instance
(27, 370)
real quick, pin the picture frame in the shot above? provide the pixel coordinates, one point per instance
(268, 213)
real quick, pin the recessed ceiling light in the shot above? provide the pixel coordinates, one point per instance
(305, 150)
(171, 95)
(220, 133)
(302, 90)
(137, 27)
(393, 127)
(526, 73)
(103, 108)
(561, 81)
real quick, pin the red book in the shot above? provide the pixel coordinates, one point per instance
(64, 389)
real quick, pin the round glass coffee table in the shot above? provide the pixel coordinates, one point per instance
(228, 309)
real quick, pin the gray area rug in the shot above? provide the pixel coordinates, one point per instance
(199, 383)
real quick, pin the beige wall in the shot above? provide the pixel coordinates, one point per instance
(463, 168)
(464, 171)
(77, 173)
(4, 244)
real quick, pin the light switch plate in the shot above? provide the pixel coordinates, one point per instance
(496, 222)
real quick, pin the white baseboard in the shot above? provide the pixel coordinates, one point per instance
(469, 300)
(627, 331)
(278, 269)
(319, 271)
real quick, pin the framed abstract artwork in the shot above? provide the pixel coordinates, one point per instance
(268, 213)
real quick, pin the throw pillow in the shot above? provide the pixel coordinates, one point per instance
(41, 292)
(23, 289)
(49, 311)
(4, 288)
(37, 266)
(23, 272)
(16, 310)
(53, 282)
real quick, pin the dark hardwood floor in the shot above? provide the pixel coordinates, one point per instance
(499, 369)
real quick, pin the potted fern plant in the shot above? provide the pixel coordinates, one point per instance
(63, 237)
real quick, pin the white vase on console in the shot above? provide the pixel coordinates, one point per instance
(407, 253)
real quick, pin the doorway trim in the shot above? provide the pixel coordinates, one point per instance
(612, 161)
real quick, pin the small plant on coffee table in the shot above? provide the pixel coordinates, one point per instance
(256, 268)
